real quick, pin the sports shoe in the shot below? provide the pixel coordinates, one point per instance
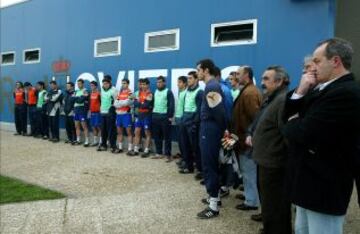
(101, 148)
(198, 176)
(208, 214)
(76, 143)
(186, 171)
(243, 206)
(145, 154)
(94, 144)
(224, 193)
(207, 201)
(86, 144)
(256, 217)
(132, 153)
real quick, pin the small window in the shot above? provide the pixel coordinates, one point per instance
(8, 58)
(234, 33)
(107, 47)
(162, 41)
(31, 56)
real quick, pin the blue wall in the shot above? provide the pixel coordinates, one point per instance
(287, 31)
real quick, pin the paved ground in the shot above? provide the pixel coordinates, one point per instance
(112, 194)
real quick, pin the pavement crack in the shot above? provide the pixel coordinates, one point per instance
(64, 213)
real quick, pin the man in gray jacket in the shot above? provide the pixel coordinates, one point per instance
(270, 152)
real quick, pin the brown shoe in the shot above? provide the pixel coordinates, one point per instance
(240, 196)
(256, 217)
(169, 159)
(176, 156)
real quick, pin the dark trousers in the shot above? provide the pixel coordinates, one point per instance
(179, 132)
(161, 131)
(21, 119)
(190, 140)
(70, 128)
(275, 208)
(227, 175)
(32, 118)
(42, 122)
(210, 143)
(108, 130)
(54, 126)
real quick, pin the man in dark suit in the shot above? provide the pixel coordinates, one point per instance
(323, 127)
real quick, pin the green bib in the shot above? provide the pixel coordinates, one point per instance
(79, 93)
(235, 93)
(180, 105)
(106, 100)
(160, 105)
(190, 101)
(41, 99)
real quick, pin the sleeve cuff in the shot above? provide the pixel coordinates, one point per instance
(296, 96)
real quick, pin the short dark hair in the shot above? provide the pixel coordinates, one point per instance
(41, 83)
(80, 80)
(207, 64)
(53, 82)
(20, 83)
(280, 74)
(108, 77)
(127, 81)
(193, 73)
(161, 78)
(183, 79)
(27, 84)
(217, 72)
(71, 83)
(94, 83)
(339, 47)
(145, 81)
(233, 73)
(249, 71)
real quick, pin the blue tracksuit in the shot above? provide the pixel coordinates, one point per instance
(212, 127)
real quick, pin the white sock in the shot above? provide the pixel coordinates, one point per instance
(146, 150)
(129, 147)
(86, 140)
(136, 148)
(95, 140)
(120, 145)
(100, 140)
(213, 203)
(78, 138)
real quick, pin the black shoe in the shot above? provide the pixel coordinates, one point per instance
(186, 171)
(76, 143)
(224, 193)
(256, 217)
(45, 137)
(182, 165)
(208, 214)
(55, 140)
(242, 206)
(101, 148)
(198, 176)
(117, 151)
(207, 201)
(17, 134)
(94, 144)
(202, 182)
(241, 188)
(145, 154)
(179, 162)
(67, 141)
(86, 144)
(240, 196)
(132, 153)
